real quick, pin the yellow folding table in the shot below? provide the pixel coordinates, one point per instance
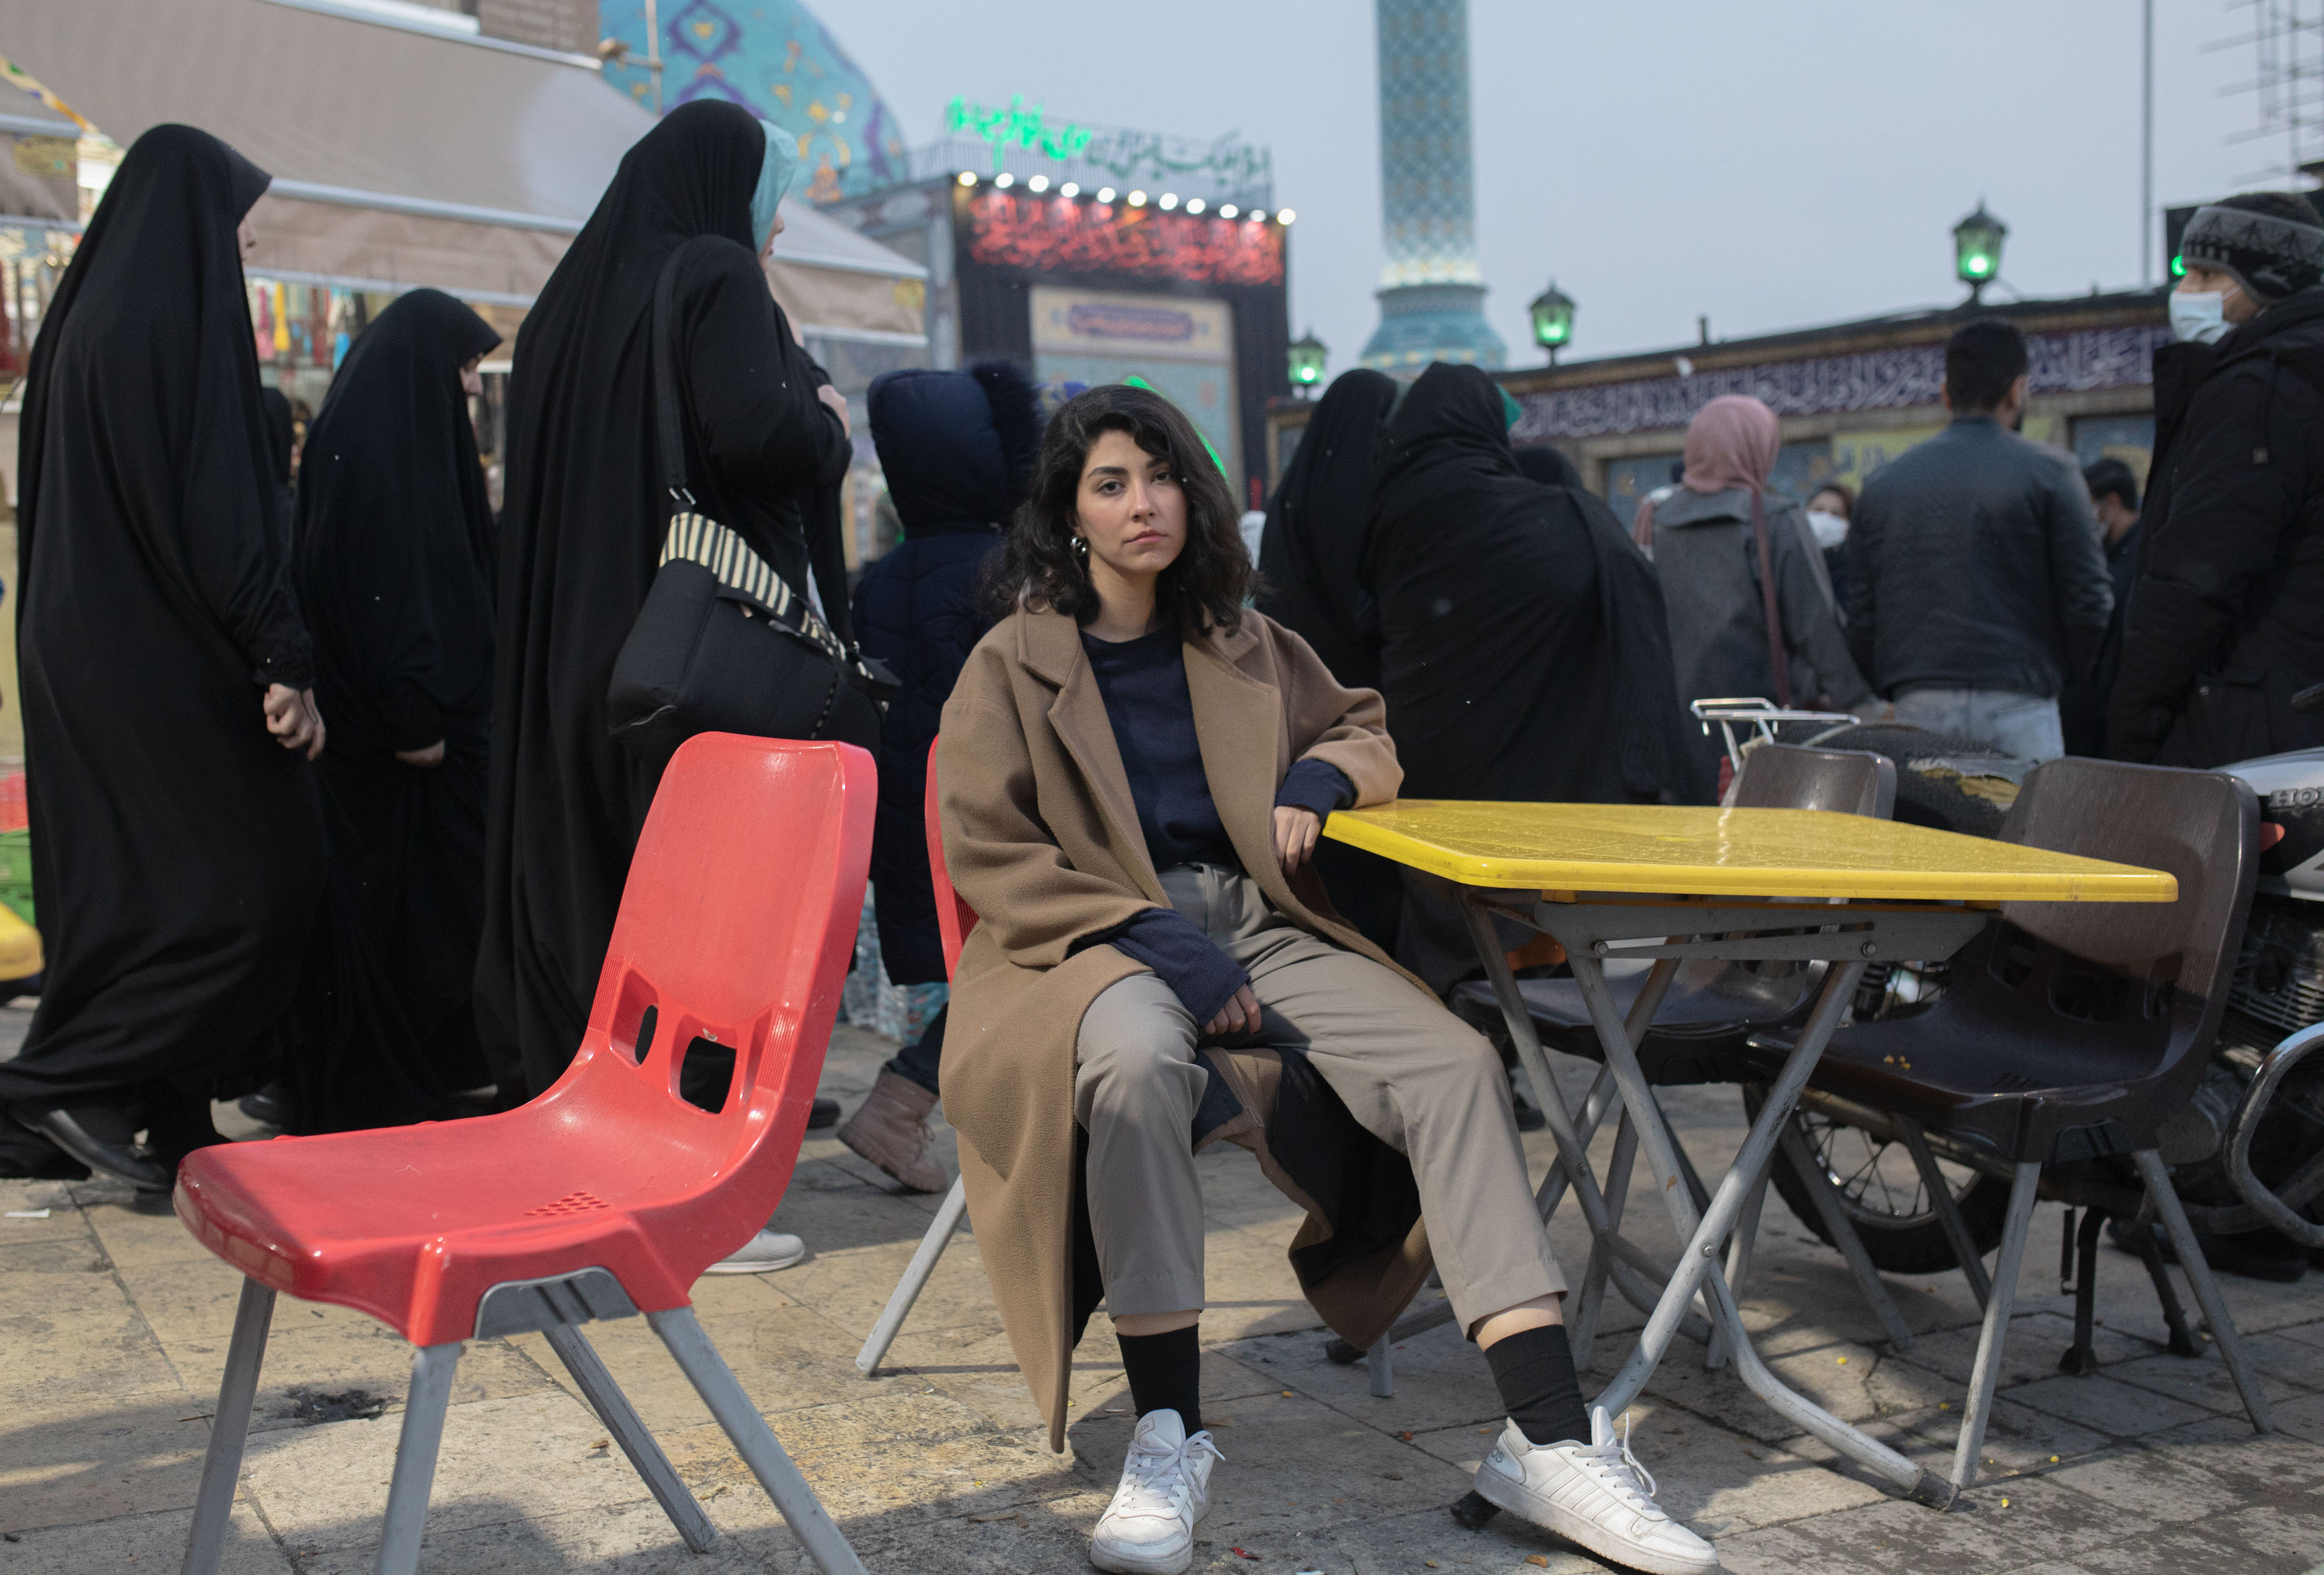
(1673, 882)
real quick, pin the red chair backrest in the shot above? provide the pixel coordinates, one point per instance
(736, 927)
(955, 919)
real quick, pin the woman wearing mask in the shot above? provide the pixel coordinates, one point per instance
(582, 532)
(1522, 655)
(1142, 874)
(177, 833)
(1829, 513)
(1721, 541)
(394, 555)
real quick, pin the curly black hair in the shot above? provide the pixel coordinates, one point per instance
(1038, 566)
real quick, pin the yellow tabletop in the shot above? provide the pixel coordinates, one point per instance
(1691, 851)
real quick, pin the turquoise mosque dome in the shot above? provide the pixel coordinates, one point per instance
(775, 59)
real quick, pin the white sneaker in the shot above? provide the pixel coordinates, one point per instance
(1148, 1529)
(1594, 1494)
(766, 1251)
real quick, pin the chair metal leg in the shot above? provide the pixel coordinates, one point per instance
(754, 1441)
(1941, 1199)
(2081, 1357)
(2022, 1189)
(1812, 1174)
(916, 1278)
(2150, 1253)
(2157, 1177)
(1383, 1367)
(620, 1419)
(432, 1366)
(229, 1429)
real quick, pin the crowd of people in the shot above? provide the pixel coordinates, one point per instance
(333, 792)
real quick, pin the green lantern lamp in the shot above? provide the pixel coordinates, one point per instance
(1553, 320)
(1976, 250)
(1308, 355)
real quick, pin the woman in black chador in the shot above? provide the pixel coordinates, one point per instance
(582, 530)
(394, 553)
(177, 833)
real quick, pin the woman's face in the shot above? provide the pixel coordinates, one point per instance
(472, 376)
(1130, 508)
(1829, 502)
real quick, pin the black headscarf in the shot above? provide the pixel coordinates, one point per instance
(1313, 542)
(582, 529)
(1547, 466)
(394, 538)
(177, 847)
(1524, 651)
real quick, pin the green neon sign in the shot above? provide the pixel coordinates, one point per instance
(1015, 127)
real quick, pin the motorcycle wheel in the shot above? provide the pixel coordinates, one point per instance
(1881, 1192)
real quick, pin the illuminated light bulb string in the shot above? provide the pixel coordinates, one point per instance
(1105, 196)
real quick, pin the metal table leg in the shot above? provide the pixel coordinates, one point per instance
(1706, 1232)
(1631, 1265)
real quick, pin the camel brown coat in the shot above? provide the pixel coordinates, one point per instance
(1041, 838)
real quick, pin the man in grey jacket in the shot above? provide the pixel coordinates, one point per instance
(1979, 584)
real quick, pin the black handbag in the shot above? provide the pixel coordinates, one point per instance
(722, 643)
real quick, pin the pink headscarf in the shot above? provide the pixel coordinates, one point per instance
(1730, 443)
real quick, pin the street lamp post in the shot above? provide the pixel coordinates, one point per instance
(1976, 250)
(1553, 319)
(1308, 355)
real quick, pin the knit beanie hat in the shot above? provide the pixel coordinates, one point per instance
(2271, 242)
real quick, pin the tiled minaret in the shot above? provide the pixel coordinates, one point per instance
(1432, 299)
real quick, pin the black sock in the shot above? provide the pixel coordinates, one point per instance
(1165, 1374)
(1534, 1370)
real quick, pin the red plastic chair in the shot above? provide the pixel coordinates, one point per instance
(954, 919)
(608, 1195)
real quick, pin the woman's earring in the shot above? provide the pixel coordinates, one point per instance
(1081, 548)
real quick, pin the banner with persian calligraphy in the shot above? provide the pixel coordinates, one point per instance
(1059, 235)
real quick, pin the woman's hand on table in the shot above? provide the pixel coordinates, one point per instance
(1296, 831)
(1240, 1014)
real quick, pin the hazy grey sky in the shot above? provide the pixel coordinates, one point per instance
(1772, 165)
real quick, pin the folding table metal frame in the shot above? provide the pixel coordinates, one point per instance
(1673, 882)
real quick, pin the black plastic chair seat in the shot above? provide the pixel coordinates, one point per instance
(1698, 1036)
(2058, 1066)
(2072, 1030)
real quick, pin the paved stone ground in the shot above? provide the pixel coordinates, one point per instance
(114, 1328)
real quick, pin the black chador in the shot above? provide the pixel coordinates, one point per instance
(177, 846)
(394, 552)
(581, 532)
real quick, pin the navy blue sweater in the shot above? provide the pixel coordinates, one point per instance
(1144, 684)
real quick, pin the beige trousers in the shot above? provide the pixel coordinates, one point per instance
(1411, 1073)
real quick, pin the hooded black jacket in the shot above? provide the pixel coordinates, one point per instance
(2226, 615)
(957, 450)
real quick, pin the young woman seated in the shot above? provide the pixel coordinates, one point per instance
(1133, 771)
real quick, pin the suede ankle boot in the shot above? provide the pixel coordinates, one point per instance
(890, 1129)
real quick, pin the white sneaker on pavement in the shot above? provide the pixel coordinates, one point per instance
(1148, 1529)
(1594, 1494)
(766, 1251)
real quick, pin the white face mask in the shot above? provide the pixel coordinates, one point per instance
(2198, 316)
(1830, 530)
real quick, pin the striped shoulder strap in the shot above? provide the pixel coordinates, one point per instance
(698, 539)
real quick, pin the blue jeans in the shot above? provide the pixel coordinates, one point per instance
(2023, 725)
